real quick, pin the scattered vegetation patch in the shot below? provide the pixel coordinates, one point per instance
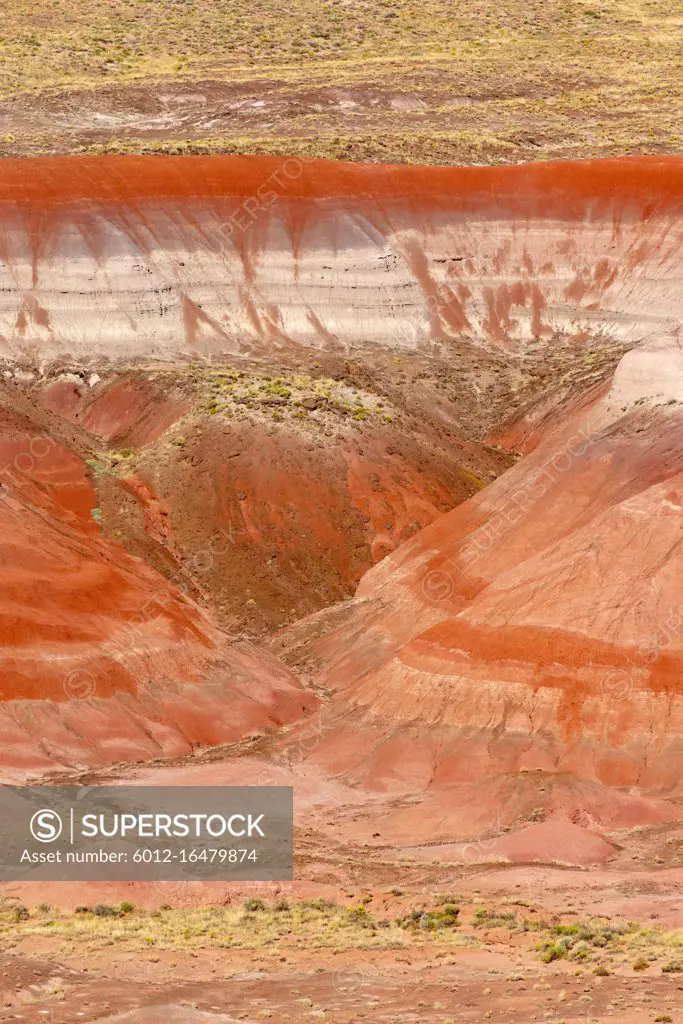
(254, 905)
(99, 467)
(105, 910)
(598, 946)
(430, 920)
(300, 397)
(485, 918)
(257, 923)
(434, 82)
(606, 944)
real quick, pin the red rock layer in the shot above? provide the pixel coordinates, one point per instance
(100, 658)
(122, 257)
(132, 411)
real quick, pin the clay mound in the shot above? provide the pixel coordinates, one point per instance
(538, 625)
(485, 807)
(556, 842)
(101, 658)
(550, 842)
(130, 410)
(271, 510)
(278, 526)
(124, 257)
(168, 1014)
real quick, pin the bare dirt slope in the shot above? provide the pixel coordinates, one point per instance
(102, 658)
(536, 628)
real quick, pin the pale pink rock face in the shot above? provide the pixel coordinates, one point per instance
(121, 257)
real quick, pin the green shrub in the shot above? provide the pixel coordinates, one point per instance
(359, 915)
(484, 918)
(98, 468)
(553, 951)
(430, 920)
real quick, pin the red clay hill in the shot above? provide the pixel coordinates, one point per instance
(321, 382)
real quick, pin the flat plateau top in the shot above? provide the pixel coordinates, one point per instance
(651, 181)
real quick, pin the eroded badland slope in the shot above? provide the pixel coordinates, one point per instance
(373, 488)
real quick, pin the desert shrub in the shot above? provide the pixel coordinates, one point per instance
(484, 918)
(105, 910)
(430, 920)
(254, 904)
(553, 951)
(359, 915)
(319, 904)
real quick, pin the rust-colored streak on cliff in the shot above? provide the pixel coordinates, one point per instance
(134, 256)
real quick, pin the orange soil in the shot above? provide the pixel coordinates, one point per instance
(102, 659)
